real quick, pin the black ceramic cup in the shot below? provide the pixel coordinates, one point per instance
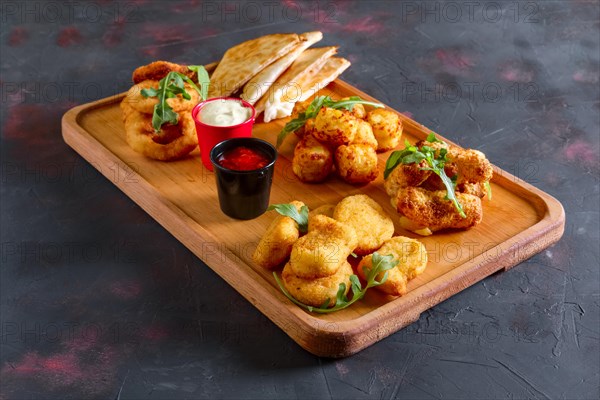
(244, 194)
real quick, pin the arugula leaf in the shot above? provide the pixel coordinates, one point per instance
(380, 264)
(203, 79)
(488, 188)
(413, 155)
(289, 210)
(313, 109)
(169, 87)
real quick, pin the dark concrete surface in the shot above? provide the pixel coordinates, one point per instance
(98, 301)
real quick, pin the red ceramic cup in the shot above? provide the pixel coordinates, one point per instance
(209, 135)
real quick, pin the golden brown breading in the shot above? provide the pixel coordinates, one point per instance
(473, 166)
(364, 135)
(146, 104)
(299, 108)
(358, 110)
(159, 69)
(370, 222)
(405, 175)
(357, 163)
(387, 128)
(432, 209)
(476, 189)
(173, 141)
(275, 246)
(470, 166)
(335, 127)
(312, 160)
(412, 257)
(323, 249)
(315, 292)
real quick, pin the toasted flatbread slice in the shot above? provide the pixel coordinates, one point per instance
(311, 84)
(309, 62)
(242, 62)
(305, 87)
(260, 84)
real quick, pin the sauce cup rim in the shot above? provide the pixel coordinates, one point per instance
(198, 107)
(234, 171)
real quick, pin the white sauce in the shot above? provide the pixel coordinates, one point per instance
(276, 108)
(224, 113)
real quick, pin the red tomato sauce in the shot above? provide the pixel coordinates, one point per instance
(243, 159)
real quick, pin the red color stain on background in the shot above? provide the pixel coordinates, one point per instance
(114, 34)
(165, 33)
(586, 76)
(69, 36)
(186, 6)
(18, 36)
(61, 367)
(155, 333)
(454, 59)
(364, 25)
(25, 121)
(582, 152)
(126, 290)
(513, 73)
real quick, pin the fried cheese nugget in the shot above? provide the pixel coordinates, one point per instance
(335, 127)
(358, 110)
(432, 210)
(412, 260)
(276, 244)
(357, 163)
(315, 292)
(371, 223)
(299, 108)
(323, 249)
(159, 69)
(405, 175)
(364, 135)
(387, 128)
(312, 160)
(470, 166)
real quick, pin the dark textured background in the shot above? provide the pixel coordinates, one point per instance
(98, 300)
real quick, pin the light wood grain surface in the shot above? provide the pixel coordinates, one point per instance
(520, 221)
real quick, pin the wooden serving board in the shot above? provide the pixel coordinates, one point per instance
(520, 221)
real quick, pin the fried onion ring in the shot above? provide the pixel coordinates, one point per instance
(159, 69)
(146, 104)
(173, 142)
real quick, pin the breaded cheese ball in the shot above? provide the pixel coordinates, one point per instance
(313, 161)
(315, 292)
(299, 108)
(357, 163)
(371, 223)
(387, 128)
(412, 260)
(335, 127)
(323, 249)
(276, 244)
(364, 135)
(358, 110)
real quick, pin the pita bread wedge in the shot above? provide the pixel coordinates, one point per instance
(313, 83)
(307, 86)
(260, 84)
(309, 62)
(242, 62)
